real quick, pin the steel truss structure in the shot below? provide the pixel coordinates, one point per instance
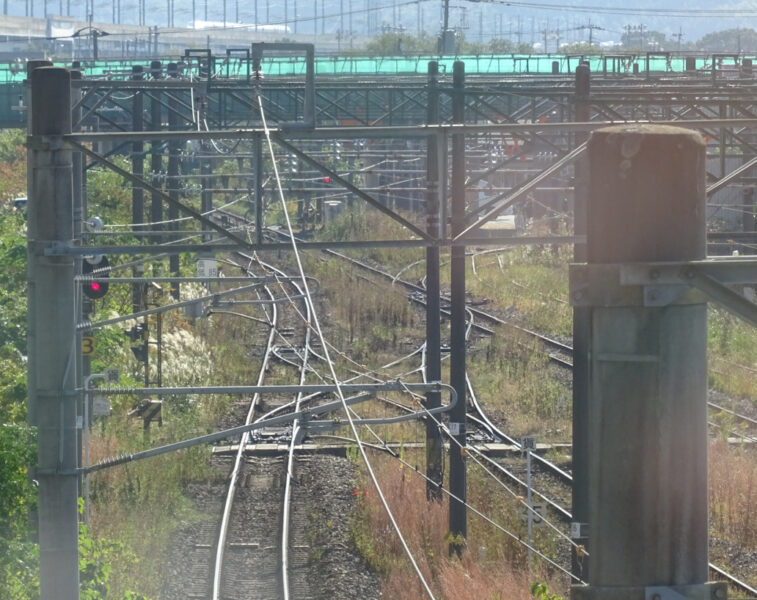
(442, 158)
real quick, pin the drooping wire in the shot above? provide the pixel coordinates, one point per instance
(330, 363)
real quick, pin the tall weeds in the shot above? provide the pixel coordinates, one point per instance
(733, 495)
(484, 571)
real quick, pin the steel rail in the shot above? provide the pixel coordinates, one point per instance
(566, 477)
(285, 517)
(221, 544)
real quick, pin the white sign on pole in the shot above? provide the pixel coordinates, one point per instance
(207, 267)
(101, 406)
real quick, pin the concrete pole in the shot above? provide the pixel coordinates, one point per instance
(433, 319)
(458, 518)
(648, 389)
(30, 67)
(52, 352)
(580, 500)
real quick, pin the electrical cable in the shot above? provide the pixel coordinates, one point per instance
(325, 349)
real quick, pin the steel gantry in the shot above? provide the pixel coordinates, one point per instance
(441, 157)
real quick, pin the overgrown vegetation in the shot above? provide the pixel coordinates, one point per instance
(493, 565)
(733, 495)
(135, 508)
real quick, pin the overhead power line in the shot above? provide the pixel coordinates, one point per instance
(609, 10)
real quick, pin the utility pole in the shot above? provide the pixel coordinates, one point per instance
(458, 519)
(678, 37)
(433, 317)
(648, 365)
(52, 331)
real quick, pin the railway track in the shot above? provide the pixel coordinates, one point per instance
(258, 556)
(559, 353)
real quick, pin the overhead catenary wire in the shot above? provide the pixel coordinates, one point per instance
(488, 519)
(325, 350)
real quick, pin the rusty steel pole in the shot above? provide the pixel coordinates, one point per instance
(579, 490)
(433, 317)
(458, 516)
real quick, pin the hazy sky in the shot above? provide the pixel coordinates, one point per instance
(525, 21)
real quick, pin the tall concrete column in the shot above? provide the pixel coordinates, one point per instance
(52, 351)
(647, 411)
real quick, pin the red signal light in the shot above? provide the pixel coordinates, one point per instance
(327, 180)
(96, 289)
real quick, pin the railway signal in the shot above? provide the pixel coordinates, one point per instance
(96, 289)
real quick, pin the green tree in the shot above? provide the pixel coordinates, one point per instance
(580, 48)
(729, 40)
(398, 44)
(13, 281)
(504, 46)
(12, 143)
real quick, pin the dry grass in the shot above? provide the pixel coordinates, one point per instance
(512, 378)
(485, 571)
(733, 495)
(732, 344)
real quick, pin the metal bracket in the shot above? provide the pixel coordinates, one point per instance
(705, 591)
(44, 142)
(57, 248)
(665, 284)
(594, 285)
(662, 593)
(308, 121)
